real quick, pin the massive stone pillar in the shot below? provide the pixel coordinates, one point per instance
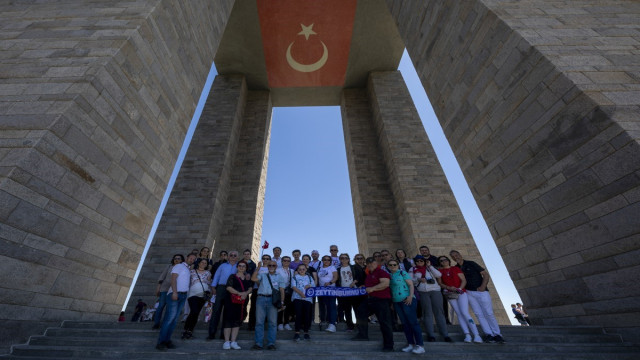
(400, 194)
(217, 198)
(540, 102)
(95, 101)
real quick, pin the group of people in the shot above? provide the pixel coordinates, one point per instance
(380, 288)
(520, 314)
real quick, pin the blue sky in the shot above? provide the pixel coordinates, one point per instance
(308, 199)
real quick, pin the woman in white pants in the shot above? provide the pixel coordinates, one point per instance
(453, 283)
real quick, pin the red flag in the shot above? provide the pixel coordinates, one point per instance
(266, 245)
(306, 42)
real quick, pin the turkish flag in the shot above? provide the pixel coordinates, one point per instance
(306, 42)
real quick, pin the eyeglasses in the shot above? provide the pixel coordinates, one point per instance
(392, 264)
(359, 258)
(234, 255)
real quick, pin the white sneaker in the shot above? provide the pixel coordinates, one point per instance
(331, 328)
(477, 339)
(235, 346)
(280, 327)
(407, 348)
(467, 338)
(287, 327)
(226, 345)
(418, 350)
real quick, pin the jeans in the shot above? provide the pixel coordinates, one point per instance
(410, 323)
(328, 303)
(480, 302)
(432, 306)
(162, 302)
(174, 307)
(266, 311)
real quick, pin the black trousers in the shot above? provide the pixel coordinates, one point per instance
(252, 309)
(195, 306)
(216, 312)
(346, 304)
(303, 314)
(285, 316)
(382, 309)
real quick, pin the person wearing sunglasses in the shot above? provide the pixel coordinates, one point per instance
(219, 289)
(238, 290)
(378, 302)
(164, 282)
(328, 276)
(301, 281)
(346, 278)
(261, 267)
(265, 310)
(427, 280)
(453, 283)
(286, 273)
(405, 304)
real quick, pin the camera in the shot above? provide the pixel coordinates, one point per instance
(431, 281)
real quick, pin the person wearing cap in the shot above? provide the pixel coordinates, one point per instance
(428, 279)
(378, 302)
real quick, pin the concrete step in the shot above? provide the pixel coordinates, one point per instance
(374, 334)
(101, 340)
(316, 344)
(296, 350)
(506, 330)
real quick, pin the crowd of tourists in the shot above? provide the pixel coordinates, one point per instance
(392, 291)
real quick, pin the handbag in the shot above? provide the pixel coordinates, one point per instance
(276, 300)
(451, 295)
(235, 298)
(207, 294)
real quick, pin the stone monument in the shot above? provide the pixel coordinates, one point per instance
(540, 101)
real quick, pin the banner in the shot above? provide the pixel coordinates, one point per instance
(334, 291)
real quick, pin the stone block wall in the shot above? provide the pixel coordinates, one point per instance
(95, 100)
(217, 199)
(401, 197)
(539, 101)
(373, 205)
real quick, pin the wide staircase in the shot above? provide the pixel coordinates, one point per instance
(101, 340)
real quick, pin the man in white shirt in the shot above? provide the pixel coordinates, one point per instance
(176, 297)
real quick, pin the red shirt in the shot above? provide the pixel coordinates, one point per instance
(450, 276)
(373, 279)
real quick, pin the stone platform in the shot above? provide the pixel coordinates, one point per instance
(102, 340)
